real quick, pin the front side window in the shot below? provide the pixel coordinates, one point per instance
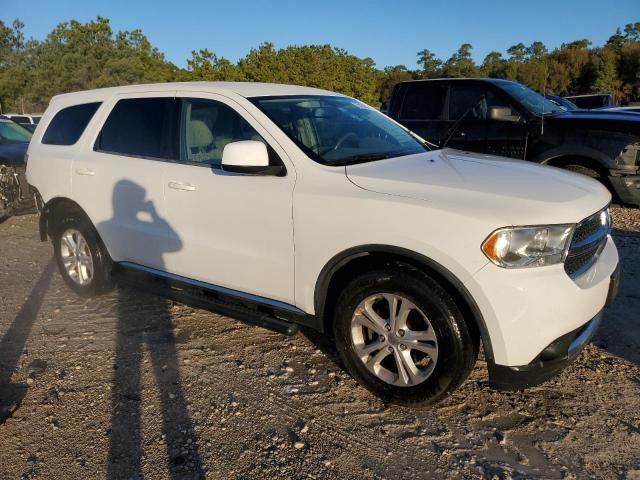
(139, 127)
(207, 127)
(68, 124)
(474, 101)
(20, 119)
(11, 132)
(336, 130)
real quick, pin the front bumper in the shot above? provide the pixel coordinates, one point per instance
(627, 188)
(556, 356)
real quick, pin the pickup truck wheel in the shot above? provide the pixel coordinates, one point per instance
(401, 335)
(82, 259)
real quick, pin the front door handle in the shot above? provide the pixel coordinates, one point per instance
(181, 186)
(85, 171)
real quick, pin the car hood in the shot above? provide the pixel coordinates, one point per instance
(512, 192)
(13, 153)
(598, 120)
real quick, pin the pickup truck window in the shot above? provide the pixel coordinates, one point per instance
(424, 101)
(336, 130)
(532, 101)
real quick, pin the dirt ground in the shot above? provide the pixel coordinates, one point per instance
(130, 385)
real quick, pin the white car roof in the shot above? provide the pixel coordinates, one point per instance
(244, 89)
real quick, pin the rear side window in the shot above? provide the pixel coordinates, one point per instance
(67, 125)
(424, 101)
(20, 119)
(137, 127)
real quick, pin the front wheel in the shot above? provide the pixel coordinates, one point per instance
(401, 335)
(82, 259)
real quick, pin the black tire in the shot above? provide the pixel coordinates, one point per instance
(457, 343)
(102, 279)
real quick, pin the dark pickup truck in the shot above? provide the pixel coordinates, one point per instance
(505, 118)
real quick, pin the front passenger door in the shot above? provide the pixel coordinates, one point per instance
(235, 230)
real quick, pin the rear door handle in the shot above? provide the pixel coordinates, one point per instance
(85, 171)
(181, 186)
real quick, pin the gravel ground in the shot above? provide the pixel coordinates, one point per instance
(130, 385)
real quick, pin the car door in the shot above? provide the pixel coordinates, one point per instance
(118, 179)
(236, 230)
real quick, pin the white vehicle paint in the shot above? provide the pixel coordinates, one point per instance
(272, 237)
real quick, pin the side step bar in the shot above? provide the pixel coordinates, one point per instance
(197, 295)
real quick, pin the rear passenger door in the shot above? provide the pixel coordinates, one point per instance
(233, 230)
(118, 177)
(422, 109)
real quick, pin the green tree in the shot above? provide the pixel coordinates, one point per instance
(460, 64)
(493, 65)
(429, 64)
(206, 65)
(517, 53)
(389, 78)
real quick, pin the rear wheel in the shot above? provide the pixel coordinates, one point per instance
(401, 335)
(82, 259)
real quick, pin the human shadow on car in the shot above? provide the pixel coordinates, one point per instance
(13, 343)
(145, 324)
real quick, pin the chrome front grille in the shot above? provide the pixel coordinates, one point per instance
(588, 241)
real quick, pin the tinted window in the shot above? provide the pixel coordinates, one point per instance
(207, 127)
(36, 120)
(68, 124)
(424, 101)
(467, 98)
(137, 127)
(20, 119)
(476, 100)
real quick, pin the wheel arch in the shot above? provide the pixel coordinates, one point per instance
(52, 209)
(352, 261)
(589, 156)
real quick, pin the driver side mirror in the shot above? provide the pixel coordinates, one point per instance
(248, 156)
(502, 114)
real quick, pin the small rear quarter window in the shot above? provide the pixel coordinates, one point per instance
(67, 125)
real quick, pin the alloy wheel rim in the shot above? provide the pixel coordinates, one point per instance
(76, 257)
(394, 339)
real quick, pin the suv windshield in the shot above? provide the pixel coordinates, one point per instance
(531, 100)
(11, 132)
(338, 130)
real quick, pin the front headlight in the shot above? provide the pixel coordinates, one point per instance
(518, 247)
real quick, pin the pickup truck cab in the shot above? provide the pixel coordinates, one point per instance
(501, 117)
(289, 206)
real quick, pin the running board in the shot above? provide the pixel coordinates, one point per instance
(196, 294)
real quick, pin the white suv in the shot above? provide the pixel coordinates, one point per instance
(288, 205)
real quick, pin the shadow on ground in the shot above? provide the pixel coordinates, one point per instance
(13, 343)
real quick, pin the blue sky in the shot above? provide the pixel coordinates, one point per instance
(390, 32)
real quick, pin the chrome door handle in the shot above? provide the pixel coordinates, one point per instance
(181, 186)
(85, 171)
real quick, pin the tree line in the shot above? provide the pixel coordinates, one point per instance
(79, 56)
